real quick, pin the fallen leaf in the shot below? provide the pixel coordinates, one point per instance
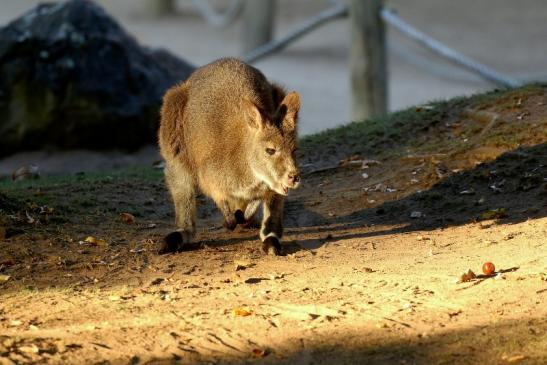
(127, 218)
(44, 209)
(258, 353)
(242, 312)
(242, 264)
(514, 358)
(30, 220)
(4, 278)
(493, 214)
(31, 349)
(467, 276)
(467, 192)
(94, 241)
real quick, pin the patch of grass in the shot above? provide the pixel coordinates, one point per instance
(85, 182)
(391, 135)
(379, 135)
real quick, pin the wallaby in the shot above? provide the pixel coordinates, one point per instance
(230, 133)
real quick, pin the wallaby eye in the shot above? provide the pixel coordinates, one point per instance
(270, 151)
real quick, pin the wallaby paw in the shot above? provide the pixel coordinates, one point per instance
(173, 242)
(271, 246)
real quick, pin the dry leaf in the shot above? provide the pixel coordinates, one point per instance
(258, 353)
(127, 218)
(30, 220)
(514, 358)
(242, 312)
(95, 241)
(242, 264)
(467, 276)
(493, 214)
(32, 349)
(4, 278)
(416, 214)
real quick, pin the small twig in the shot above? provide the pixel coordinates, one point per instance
(323, 169)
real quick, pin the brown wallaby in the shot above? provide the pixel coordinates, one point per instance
(232, 134)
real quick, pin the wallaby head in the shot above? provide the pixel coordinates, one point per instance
(273, 142)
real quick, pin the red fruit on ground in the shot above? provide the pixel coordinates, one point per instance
(488, 268)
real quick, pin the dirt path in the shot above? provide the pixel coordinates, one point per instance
(371, 260)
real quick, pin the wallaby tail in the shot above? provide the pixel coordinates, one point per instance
(171, 132)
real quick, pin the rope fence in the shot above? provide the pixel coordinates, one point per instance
(390, 17)
(334, 12)
(487, 73)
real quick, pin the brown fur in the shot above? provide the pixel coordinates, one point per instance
(217, 133)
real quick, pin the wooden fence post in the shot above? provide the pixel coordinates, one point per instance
(368, 59)
(258, 23)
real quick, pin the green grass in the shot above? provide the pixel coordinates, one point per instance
(130, 173)
(74, 192)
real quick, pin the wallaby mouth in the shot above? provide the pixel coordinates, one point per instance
(285, 189)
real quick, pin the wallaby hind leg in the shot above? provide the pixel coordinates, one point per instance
(272, 224)
(183, 191)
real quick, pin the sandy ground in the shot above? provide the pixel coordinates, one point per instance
(369, 276)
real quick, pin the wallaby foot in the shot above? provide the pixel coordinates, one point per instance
(271, 246)
(174, 242)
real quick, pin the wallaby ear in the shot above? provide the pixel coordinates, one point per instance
(288, 110)
(252, 114)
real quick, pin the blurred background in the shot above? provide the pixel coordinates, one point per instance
(506, 35)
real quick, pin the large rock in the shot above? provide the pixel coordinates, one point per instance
(70, 76)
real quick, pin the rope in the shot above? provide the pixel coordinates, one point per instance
(216, 19)
(340, 10)
(390, 17)
(337, 11)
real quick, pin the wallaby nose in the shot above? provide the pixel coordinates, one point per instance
(294, 177)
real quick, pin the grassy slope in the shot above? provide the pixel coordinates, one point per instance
(416, 129)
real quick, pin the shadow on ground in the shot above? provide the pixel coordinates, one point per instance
(522, 341)
(509, 189)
